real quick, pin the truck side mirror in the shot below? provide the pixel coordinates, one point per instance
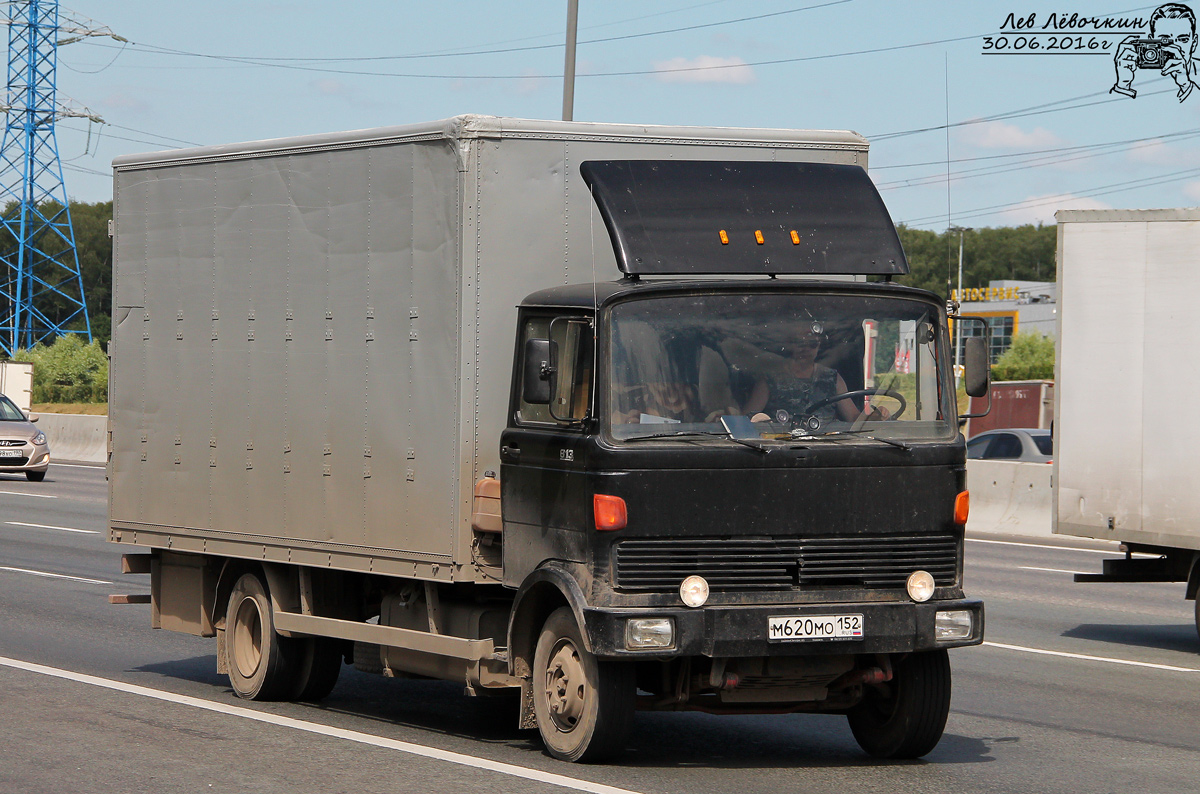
(540, 373)
(977, 374)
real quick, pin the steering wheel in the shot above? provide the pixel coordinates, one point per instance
(860, 393)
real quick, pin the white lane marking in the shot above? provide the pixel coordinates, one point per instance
(49, 575)
(47, 526)
(1047, 570)
(511, 770)
(1056, 548)
(22, 493)
(1085, 657)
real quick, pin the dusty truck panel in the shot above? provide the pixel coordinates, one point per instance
(317, 331)
(1121, 451)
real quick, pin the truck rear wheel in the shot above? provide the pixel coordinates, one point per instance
(261, 663)
(905, 717)
(584, 707)
(321, 664)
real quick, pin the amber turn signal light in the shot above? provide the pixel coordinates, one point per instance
(758, 238)
(610, 512)
(795, 237)
(962, 506)
(724, 238)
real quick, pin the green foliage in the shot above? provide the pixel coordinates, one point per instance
(1023, 253)
(68, 371)
(1031, 357)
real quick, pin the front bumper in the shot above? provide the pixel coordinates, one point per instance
(741, 631)
(33, 458)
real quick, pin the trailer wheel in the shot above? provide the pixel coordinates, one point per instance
(905, 718)
(584, 707)
(320, 666)
(261, 663)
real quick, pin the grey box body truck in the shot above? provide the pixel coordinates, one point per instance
(476, 400)
(1123, 441)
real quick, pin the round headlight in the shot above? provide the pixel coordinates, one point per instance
(920, 586)
(39, 439)
(694, 591)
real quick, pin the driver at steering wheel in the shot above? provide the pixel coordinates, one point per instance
(801, 383)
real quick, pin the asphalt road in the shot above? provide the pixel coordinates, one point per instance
(1081, 688)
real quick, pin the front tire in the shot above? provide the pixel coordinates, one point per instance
(35, 476)
(584, 706)
(262, 664)
(905, 717)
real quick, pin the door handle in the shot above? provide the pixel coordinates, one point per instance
(513, 452)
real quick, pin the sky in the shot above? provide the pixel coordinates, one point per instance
(1029, 132)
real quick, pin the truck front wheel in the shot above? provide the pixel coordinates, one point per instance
(261, 663)
(584, 707)
(905, 717)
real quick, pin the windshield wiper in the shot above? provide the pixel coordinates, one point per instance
(861, 430)
(684, 434)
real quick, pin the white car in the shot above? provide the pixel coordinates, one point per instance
(1024, 444)
(23, 447)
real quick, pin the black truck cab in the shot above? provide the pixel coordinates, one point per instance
(740, 489)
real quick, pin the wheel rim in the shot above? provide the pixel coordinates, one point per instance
(566, 685)
(247, 638)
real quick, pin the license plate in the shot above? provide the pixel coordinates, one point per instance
(816, 627)
(11, 453)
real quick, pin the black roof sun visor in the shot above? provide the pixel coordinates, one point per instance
(670, 217)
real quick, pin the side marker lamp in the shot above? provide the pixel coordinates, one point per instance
(795, 237)
(758, 237)
(610, 512)
(962, 507)
(724, 237)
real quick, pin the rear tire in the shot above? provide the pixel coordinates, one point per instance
(35, 476)
(584, 706)
(905, 718)
(262, 664)
(320, 666)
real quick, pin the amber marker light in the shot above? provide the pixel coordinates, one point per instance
(795, 237)
(758, 238)
(610, 512)
(724, 238)
(962, 507)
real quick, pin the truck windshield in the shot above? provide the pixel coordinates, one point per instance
(775, 367)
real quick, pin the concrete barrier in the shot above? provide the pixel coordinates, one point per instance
(75, 437)
(1010, 498)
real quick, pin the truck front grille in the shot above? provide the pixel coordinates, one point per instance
(872, 561)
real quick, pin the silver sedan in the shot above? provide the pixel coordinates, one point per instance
(23, 448)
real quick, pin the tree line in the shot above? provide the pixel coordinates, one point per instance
(1016, 252)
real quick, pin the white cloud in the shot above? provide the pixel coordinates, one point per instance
(1041, 209)
(327, 86)
(998, 135)
(704, 69)
(531, 82)
(123, 101)
(1192, 190)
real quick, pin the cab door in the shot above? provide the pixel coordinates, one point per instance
(546, 501)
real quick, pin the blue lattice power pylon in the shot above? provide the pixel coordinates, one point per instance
(42, 291)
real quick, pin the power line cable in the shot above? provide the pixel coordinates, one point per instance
(304, 63)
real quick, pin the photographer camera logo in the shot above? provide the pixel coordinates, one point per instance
(1170, 50)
